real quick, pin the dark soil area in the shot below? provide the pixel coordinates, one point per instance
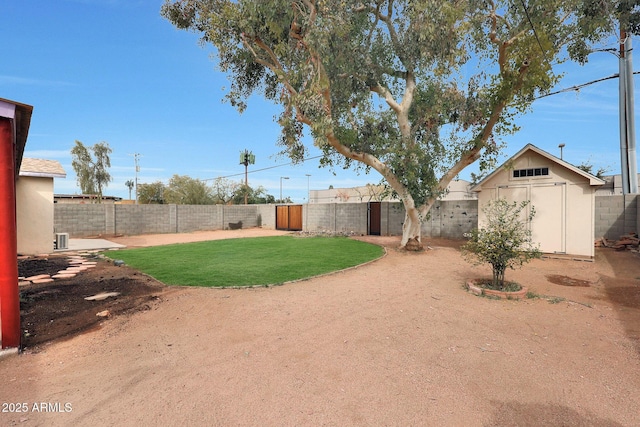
(50, 311)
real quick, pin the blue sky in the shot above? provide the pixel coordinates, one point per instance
(116, 71)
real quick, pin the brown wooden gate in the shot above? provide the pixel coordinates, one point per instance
(375, 218)
(289, 217)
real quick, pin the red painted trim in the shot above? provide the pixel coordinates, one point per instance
(9, 295)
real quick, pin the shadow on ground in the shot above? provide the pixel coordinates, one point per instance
(537, 414)
(623, 291)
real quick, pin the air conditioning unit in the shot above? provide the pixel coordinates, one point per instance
(62, 240)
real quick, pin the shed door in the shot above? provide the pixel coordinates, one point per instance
(548, 225)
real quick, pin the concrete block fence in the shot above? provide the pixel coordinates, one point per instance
(614, 216)
(88, 220)
(617, 215)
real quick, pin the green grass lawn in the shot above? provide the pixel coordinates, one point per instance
(248, 261)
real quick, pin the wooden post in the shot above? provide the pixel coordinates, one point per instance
(9, 296)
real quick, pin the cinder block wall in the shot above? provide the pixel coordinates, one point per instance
(448, 219)
(266, 216)
(79, 220)
(199, 217)
(616, 215)
(351, 218)
(138, 219)
(88, 220)
(456, 217)
(320, 217)
(248, 214)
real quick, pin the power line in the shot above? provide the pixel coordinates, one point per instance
(577, 88)
(535, 33)
(260, 170)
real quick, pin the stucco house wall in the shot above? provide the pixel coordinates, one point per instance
(456, 190)
(34, 205)
(562, 195)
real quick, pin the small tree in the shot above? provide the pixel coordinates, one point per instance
(504, 241)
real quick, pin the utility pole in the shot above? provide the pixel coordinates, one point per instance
(628, 162)
(281, 178)
(136, 158)
(247, 158)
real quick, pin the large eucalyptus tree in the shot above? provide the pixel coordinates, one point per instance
(416, 90)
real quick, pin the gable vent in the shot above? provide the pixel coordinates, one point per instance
(523, 173)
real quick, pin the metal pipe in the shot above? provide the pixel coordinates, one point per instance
(622, 84)
(632, 172)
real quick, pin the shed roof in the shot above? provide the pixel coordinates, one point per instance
(593, 180)
(42, 168)
(21, 114)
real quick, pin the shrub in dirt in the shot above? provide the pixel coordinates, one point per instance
(504, 241)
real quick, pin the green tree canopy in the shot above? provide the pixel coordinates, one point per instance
(92, 171)
(414, 89)
(257, 195)
(183, 190)
(152, 193)
(223, 190)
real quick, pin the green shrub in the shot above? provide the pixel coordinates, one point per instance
(505, 241)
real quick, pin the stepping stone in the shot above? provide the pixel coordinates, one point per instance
(38, 281)
(38, 277)
(102, 296)
(64, 276)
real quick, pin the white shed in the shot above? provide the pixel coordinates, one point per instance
(34, 205)
(563, 197)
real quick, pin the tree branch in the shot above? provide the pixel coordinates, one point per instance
(474, 153)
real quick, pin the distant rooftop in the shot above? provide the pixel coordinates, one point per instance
(42, 168)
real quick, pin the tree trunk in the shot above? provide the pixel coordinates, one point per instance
(411, 230)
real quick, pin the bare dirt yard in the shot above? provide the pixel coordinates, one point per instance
(397, 342)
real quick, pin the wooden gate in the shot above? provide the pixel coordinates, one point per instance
(289, 217)
(375, 218)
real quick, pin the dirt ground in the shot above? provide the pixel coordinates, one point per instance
(397, 342)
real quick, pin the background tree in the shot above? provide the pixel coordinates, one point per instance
(92, 171)
(256, 195)
(414, 89)
(151, 193)
(183, 190)
(371, 192)
(130, 184)
(223, 190)
(587, 166)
